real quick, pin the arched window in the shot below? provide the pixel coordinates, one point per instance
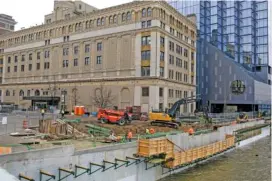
(124, 17)
(28, 92)
(91, 23)
(71, 28)
(143, 12)
(110, 20)
(21, 93)
(7, 93)
(98, 22)
(149, 11)
(87, 24)
(128, 15)
(80, 26)
(63, 30)
(102, 21)
(77, 26)
(37, 93)
(114, 19)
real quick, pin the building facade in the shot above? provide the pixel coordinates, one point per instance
(7, 24)
(238, 28)
(139, 53)
(226, 86)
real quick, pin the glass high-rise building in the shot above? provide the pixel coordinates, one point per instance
(241, 29)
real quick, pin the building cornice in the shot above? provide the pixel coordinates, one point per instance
(104, 80)
(92, 15)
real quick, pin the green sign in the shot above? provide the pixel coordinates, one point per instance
(238, 87)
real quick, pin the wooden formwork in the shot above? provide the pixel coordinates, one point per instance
(151, 147)
(183, 157)
(189, 155)
(176, 161)
(195, 150)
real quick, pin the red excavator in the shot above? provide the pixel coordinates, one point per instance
(113, 116)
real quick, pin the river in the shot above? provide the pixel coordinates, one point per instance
(249, 163)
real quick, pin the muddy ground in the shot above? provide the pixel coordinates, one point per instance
(137, 127)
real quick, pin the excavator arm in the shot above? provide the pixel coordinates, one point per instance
(172, 111)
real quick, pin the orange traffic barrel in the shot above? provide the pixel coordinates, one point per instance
(76, 110)
(25, 124)
(81, 110)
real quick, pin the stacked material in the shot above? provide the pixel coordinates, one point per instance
(191, 155)
(46, 126)
(155, 147)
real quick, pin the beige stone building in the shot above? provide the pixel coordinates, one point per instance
(142, 52)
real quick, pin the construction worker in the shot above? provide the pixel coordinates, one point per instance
(42, 112)
(191, 131)
(152, 131)
(129, 135)
(147, 131)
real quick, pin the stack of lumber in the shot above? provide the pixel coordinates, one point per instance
(46, 126)
(71, 129)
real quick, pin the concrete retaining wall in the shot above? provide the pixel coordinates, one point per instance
(29, 163)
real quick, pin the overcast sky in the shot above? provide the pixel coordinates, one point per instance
(31, 12)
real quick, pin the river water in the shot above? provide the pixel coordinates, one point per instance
(249, 163)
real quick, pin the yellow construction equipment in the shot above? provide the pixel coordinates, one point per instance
(168, 118)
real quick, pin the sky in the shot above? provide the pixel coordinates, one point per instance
(31, 12)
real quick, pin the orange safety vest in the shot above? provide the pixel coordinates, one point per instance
(191, 131)
(152, 131)
(129, 134)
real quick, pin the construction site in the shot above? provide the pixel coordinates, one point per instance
(146, 146)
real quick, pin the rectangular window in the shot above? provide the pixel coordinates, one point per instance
(171, 59)
(148, 23)
(75, 50)
(161, 92)
(30, 67)
(192, 56)
(38, 66)
(87, 48)
(99, 46)
(143, 24)
(99, 60)
(23, 58)
(185, 52)
(162, 41)
(16, 59)
(22, 68)
(145, 91)
(75, 62)
(30, 56)
(15, 68)
(162, 71)
(146, 40)
(46, 54)
(9, 59)
(46, 65)
(65, 51)
(38, 55)
(145, 71)
(145, 55)
(8, 69)
(1, 69)
(87, 60)
(162, 56)
(65, 63)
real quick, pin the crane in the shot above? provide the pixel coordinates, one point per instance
(168, 118)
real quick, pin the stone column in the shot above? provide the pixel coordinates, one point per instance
(138, 55)
(154, 98)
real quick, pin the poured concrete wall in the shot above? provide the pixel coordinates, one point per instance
(29, 163)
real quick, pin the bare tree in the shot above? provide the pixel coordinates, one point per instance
(75, 97)
(103, 97)
(53, 89)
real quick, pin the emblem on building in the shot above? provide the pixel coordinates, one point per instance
(237, 87)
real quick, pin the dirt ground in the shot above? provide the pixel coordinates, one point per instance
(137, 127)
